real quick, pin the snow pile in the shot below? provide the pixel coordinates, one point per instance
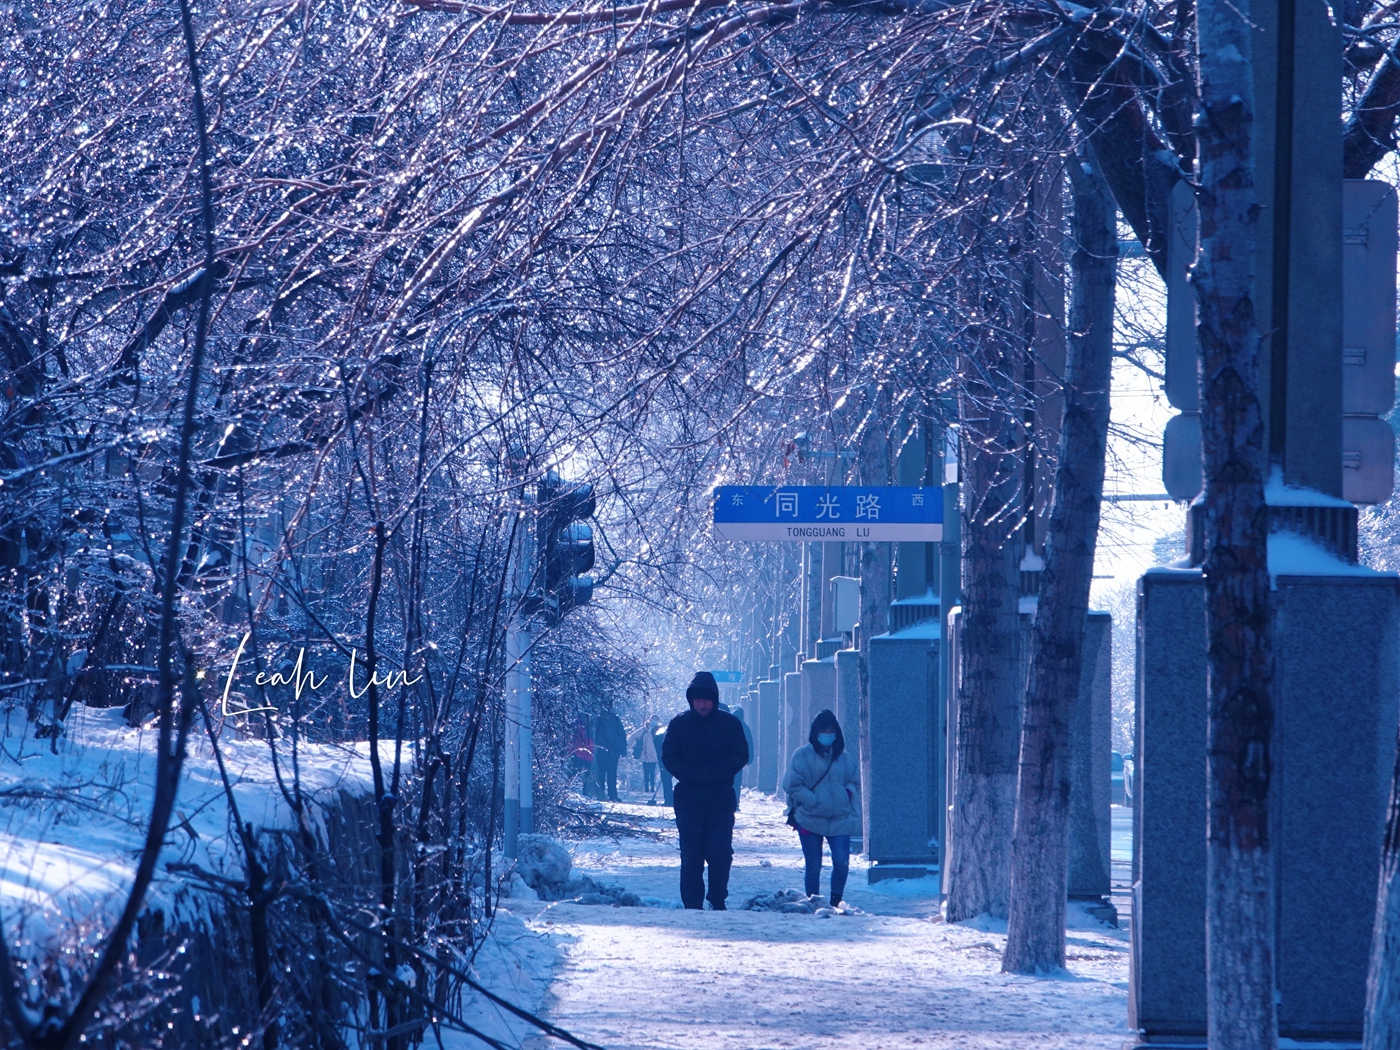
(795, 902)
(543, 870)
(1292, 554)
(585, 890)
(544, 865)
(1277, 493)
(661, 902)
(515, 888)
(515, 963)
(74, 818)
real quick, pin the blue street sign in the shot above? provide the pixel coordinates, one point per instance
(728, 677)
(865, 514)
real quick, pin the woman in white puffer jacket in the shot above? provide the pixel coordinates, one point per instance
(823, 789)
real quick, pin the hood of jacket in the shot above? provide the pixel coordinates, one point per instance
(826, 722)
(704, 754)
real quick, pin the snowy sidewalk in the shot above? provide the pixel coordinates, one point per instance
(897, 977)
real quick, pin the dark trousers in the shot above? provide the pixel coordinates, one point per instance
(649, 776)
(606, 762)
(666, 784)
(840, 863)
(707, 837)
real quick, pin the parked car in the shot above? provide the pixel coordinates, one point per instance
(1118, 793)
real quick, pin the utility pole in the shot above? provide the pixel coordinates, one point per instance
(519, 793)
(564, 546)
(555, 534)
(949, 598)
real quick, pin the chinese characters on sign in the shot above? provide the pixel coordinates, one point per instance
(873, 514)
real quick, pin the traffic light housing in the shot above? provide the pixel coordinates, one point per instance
(565, 543)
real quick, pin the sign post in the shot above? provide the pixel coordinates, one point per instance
(859, 514)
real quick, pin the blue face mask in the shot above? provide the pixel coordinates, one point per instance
(826, 739)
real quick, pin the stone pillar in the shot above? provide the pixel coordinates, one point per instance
(1335, 740)
(1167, 966)
(748, 700)
(847, 707)
(818, 692)
(902, 819)
(1335, 707)
(793, 729)
(847, 663)
(1091, 772)
(833, 555)
(766, 736)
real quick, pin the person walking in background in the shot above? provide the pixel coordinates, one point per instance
(608, 746)
(753, 755)
(643, 743)
(823, 790)
(705, 748)
(581, 748)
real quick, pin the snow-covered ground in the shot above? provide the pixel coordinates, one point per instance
(892, 975)
(897, 976)
(72, 821)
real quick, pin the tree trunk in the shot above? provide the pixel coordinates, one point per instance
(1240, 1008)
(1035, 939)
(1383, 980)
(875, 565)
(874, 619)
(989, 714)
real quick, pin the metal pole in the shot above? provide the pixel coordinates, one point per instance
(812, 600)
(949, 596)
(513, 765)
(524, 702)
(519, 788)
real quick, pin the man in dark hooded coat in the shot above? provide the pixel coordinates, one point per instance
(704, 748)
(609, 745)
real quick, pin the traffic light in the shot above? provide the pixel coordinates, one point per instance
(565, 543)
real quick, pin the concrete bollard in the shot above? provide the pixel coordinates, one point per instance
(794, 736)
(766, 736)
(1336, 680)
(903, 808)
(818, 693)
